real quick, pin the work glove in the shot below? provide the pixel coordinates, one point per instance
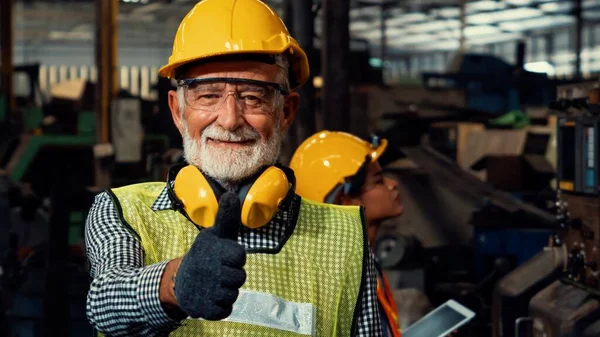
(211, 273)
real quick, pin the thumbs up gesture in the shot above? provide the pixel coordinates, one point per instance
(211, 273)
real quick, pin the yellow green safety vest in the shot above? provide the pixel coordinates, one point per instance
(310, 287)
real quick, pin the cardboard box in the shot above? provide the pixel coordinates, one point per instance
(76, 95)
(514, 173)
(450, 138)
(69, 99)
(514, 160)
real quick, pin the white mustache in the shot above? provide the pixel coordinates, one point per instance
(225, 165)
(239, 135)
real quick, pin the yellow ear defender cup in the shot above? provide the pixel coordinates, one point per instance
(260, 200)
(196, 196)
(263, 198)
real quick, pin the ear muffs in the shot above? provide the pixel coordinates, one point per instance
(263, 198)
(196, 196)
(260, 199)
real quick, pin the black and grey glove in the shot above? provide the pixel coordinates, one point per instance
(211, 273)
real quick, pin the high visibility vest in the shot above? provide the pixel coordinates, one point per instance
(310, 286)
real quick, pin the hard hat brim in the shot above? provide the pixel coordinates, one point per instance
(379, 150)
(300, 67)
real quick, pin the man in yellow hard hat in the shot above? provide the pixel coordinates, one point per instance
(340, 168)
(226, 247)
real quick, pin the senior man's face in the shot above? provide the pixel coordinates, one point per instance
(230, 129)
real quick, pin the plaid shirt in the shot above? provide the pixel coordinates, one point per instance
(124, 295)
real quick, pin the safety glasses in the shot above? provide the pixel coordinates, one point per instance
(252, 96)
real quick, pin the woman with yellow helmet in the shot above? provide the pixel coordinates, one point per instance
(340, 168)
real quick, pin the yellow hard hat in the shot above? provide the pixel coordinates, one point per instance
(324, 161)
(230, 27)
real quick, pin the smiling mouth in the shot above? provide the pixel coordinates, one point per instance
(230, 142)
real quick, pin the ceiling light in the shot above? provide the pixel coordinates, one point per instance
(541, 67)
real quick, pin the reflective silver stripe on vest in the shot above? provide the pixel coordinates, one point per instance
(271, 311)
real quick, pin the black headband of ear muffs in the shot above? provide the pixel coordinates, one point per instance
(219, 190)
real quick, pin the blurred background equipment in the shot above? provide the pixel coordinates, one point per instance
(556, 292)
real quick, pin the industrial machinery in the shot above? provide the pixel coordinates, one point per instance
(50, 169)
(29, 99)
(557, 292)
(499, 234)
(494, 85)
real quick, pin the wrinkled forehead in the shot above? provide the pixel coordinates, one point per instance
(244, 69)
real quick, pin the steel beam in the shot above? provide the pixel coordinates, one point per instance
(107, 85)
(578, 36)
(6, 61)
(383, 41)
(303, 30)
(335, 58)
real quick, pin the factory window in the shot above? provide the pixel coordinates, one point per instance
(586, 33)
(62, 73)
(124, 77)
(144, 82)
(414, 66)
(93, 74)
(135, 81)
(561, 40)
(43, 76)
(510, 48)
(53, 75)
(541, 54)
(84, 72)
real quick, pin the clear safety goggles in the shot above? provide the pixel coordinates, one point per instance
(252, 96)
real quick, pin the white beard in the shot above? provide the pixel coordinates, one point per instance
(231, 165)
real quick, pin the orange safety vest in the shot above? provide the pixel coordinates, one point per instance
(386, 300)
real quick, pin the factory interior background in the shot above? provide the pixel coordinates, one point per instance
(490, 107)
